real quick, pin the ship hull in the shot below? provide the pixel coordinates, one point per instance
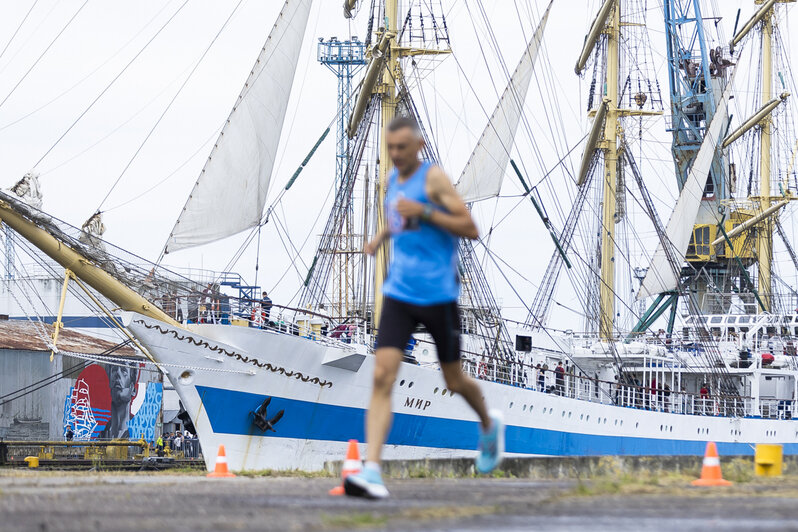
(224, 373)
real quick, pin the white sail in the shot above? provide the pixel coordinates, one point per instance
(231, 190)
(661, 276)
(482, 176)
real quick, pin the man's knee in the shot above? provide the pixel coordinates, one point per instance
(383, 378)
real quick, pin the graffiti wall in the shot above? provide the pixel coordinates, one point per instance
(112, 402)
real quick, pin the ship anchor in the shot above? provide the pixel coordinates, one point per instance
(259, 417)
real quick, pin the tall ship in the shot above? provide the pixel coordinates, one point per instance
(686, 324)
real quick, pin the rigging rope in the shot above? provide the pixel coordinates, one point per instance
(169, 105)
(82, 114)
(24, 76)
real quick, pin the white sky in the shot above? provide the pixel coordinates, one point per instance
(105, 35)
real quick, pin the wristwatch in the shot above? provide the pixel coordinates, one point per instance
(427, 214)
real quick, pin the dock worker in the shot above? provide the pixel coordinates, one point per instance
(425, 218)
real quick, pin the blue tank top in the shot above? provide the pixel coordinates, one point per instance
(423, 267)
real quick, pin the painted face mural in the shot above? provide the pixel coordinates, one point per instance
(108, 403)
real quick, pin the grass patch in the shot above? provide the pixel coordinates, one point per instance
(359, 520)
(293, 473)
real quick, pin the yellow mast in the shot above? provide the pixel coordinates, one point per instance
(764, 242)
(81, 267)
(609, 203)
(388, 110)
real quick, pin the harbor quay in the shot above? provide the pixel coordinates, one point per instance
(646, 493)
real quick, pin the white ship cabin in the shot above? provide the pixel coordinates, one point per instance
(677, 373)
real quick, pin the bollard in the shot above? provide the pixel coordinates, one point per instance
(33, 461)
(768, 460)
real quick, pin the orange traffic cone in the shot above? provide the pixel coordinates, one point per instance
(221, 465)
(352, 465)
(710, 472)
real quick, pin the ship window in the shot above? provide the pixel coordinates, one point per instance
(705, 240)
(716, 319)
(715, 331)
(731, 319)
(744, 319)
(691, 246)
(523, 343)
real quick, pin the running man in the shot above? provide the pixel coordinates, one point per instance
(425, 218)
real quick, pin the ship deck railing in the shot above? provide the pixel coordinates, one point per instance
(636, 396)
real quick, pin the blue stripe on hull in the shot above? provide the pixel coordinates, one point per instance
(78, 322)
(230, 413)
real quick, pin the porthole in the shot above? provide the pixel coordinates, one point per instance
(699, 431)
(410, 385)
(186, 377)
(402, 382)
(582, 416)
(637, 424)
(671, 428)
(587, 418)
(544, 409)
(563, 413)
(660, 428)
(616, 422)
(444, 392)
(523, 409)
(551, 410)
(622, 422)
(511, 404)
(605, 420)
(569, 415)
(436, 390)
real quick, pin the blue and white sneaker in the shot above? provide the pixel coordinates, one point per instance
(491, 444)
(368, 483)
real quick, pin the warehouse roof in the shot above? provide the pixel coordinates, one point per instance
(26, 336)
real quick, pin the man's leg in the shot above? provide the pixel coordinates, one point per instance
(459, 382)
(378, 421)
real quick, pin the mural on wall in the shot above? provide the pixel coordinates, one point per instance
(110, 403)
(145, 417)
(88, 404)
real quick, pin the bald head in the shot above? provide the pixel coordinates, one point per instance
(404, 141)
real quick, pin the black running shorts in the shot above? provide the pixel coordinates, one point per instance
(399, 319)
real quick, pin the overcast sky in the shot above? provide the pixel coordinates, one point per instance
(104, 35)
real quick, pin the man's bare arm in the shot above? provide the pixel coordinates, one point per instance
(457, 220)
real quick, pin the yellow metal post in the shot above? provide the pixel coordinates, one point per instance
(609, 203)
(764, 241)
(387, 113)
(58, 325)
(768, 460)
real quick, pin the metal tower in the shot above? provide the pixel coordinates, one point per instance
(344, 59)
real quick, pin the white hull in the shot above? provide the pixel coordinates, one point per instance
(223, 373)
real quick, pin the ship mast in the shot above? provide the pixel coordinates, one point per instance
(764, 243)
(387, 88)
(609, 203)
